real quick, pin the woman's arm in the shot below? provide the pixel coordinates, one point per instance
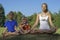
(50, 21)
(36, 22)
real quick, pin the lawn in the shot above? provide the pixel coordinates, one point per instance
(1, 30)
(55, 36)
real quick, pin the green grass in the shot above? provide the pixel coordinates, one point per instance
(1, 30)
(33, 36)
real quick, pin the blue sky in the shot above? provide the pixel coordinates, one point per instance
(28, 7)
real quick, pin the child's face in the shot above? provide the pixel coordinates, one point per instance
(11, 16)
(24, 20)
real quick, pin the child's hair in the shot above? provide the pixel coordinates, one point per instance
(24, 18)
(11, 13)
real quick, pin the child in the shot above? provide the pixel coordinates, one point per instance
(24, 26)
(10, 26)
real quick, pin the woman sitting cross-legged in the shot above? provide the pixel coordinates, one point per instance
(44, 18)
(24, 26)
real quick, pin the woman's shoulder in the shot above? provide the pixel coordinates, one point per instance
(40, 13)
(49, 14)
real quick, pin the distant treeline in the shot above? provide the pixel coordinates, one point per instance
(31, 19)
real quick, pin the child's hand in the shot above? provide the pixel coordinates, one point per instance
(26, 31)
(17, 31)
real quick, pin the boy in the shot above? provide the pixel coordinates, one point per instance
(10, 26)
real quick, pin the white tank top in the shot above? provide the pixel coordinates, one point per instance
(44, 22)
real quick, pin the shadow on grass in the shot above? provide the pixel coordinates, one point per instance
(35, 37)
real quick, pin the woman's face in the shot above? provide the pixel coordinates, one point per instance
(44, 7)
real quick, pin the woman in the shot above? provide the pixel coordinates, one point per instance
(24, 26)
(46, 25)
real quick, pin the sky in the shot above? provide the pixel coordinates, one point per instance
(29, 7)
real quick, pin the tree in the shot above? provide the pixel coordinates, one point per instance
(19, 16)
(32, 19)
(2, 15)
(57, 19)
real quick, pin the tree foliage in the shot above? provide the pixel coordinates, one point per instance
(2, 15)
(31, 19)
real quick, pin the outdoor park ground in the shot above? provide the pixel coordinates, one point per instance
(55, 36)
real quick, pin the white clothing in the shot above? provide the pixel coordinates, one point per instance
(44, 22)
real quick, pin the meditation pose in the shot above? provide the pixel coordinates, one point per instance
(24, 26)
(45, 20)
(10, 26)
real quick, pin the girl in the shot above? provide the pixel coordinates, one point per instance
(24, 26)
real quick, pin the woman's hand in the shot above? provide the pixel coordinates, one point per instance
(56, 27)
(32, 28)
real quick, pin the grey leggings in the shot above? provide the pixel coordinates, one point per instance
(52, 30)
